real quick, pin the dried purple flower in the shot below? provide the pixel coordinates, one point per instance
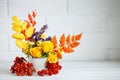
(36, 36)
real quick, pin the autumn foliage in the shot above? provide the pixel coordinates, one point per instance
(67, 43)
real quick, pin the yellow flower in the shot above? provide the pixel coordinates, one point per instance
(47, 46)
(52, 58)
(36, 52)
(21, 44)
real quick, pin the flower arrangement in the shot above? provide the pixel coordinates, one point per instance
(37, 44)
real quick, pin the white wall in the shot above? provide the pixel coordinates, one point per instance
(99, 20)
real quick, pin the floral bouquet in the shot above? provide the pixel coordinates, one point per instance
(38, 45)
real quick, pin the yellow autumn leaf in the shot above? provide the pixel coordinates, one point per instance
(29, 31)
(15, 18)
(17, 29)
(18, 36)
(21, 44)
(15, 24)
(24, 25)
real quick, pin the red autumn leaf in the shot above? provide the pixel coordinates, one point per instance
(77, 37)
(62, 40)
(54, 41)
(68, 39)
(74, 44)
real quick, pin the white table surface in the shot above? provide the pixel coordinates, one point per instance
(72, 70)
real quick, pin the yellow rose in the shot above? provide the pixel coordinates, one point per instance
(52, 58)
(36, 52)
(47, 46)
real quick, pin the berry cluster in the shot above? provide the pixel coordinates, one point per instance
(21, 67)
(52, 68)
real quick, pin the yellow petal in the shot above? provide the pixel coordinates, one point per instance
(15, 18)
(29, 31)
(21, 44)
(17, 29)
(18, 36)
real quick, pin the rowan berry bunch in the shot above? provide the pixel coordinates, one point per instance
(21, 67)
(52, 68)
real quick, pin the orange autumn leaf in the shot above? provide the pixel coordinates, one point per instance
(74, 44)
(68, 39)
(68, 50)
(62, 40)
(54, 41)
(73, 38)
(33, 23)
(34, 14)
(77, 37)
(28, 24)
(59, 55)
(30, 18)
